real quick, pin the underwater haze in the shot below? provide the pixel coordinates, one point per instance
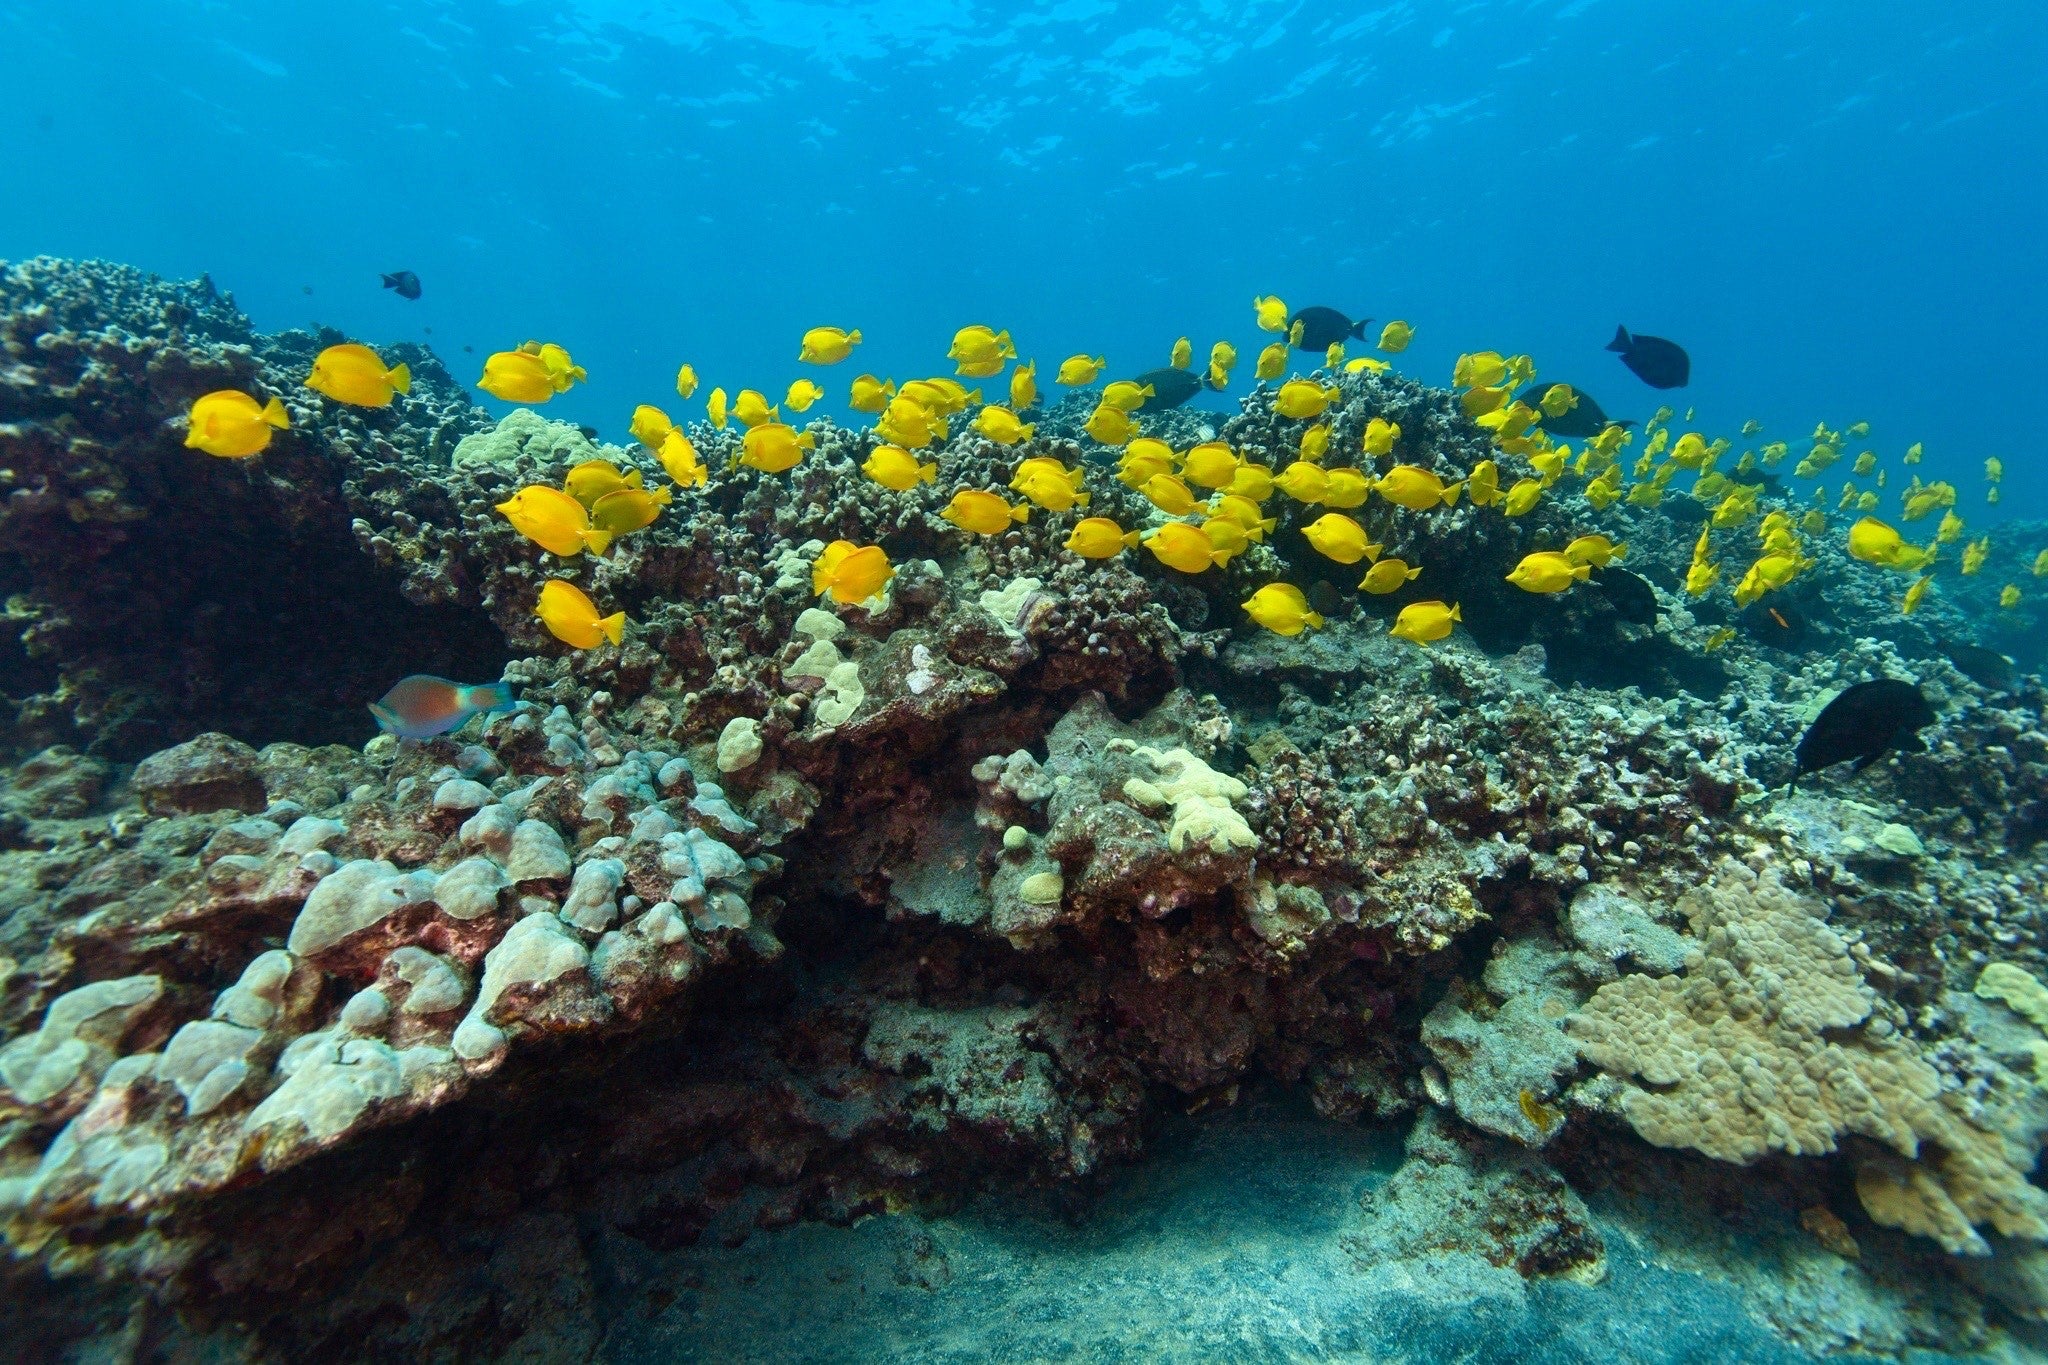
(1830, 205)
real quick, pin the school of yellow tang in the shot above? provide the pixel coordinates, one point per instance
(1213, 502)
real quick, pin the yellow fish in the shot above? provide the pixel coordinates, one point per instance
(1303, 482)
(1180, 546)
(1000, 425)
(1395, 336)
(1719, 638)
(1272, 362)
(1601, 493)
(1223, 356)
(1422, 622)
(1752, 427)
(1950, 530)
(1336, 536)
(1245, 513)
(1127, 395)
(232, 425)
(1975, 553)
(751, 408)
(801, 394)
(572, 618)
(1388, 575)
(1211, 464)
(1519, 499)
(562, 371)
(1111, 426)
(1550, 464)
(1049, 485)
(1857, 429)
(1547, 571)
(714, 408)
(1076, 370)
(1218, 378)
(1701, 576)
(1911, 602)
(1254, 481)
(686, 380)
(772, 447)
(1315, 441)
(897, 469)
(1557, 400)
(1479, 402)
(1994, 469)
(1169, 495)
(353, 374)
(1271, 313)
(1913, 453)
(1301, 399)
(1183, 354)
(650, 426)
(985, 514)
(870, 394)
(1873, 542)
(592, 479)
(1595, 550)
(1135, 471)
(1099, 538)
(979, 352)
(1645, 494)
(1479, 370)
(553, 520)
(1226, 536)
(906, 422)
(2009, 595)
(1024, 387)
(1865, 463)
(1380, 435)
(1346, 488)
(1416, 488)
(1365, 362)
(827, 345)
(1282, 609)
(679, 458)
(1334, 357)
(850, 573)
(627, 509)
(1483, 484)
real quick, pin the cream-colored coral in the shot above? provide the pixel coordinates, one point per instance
(1199, 796)
(2017, 990)
(1766, 1043)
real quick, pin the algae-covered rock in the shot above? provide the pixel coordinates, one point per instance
(210, 772)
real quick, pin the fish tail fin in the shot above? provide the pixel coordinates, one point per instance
(1131, 539)
(400, 377)
(1620, 342)
(1358, 328)
(1620, 551)
(389, 283)
(274, 413)
(974, 396)
(1082, 499)
(1456, 614)
(613, 626)
(1373, 552)
(854, 336)
(1451, 493)
(1415, 573)
(1026, 429)
(926, 473)
(597, 542)
(1148, 392)
(1582, 572)
(1021, 512)
(1314, 618)
(1267, 524)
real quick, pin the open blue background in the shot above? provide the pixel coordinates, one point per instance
(1836, 207)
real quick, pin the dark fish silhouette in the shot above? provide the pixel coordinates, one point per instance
(404, 282)
(1865, 723)
(1777, 623)
(1985, 667)
(1322, 328)
(1170, 388)
(1659, 363)
(1631, 595)
(1585, 419)
(589, 433)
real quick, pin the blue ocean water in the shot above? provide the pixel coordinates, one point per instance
(1834, 206)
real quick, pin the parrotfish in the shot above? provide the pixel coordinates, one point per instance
(422, 706)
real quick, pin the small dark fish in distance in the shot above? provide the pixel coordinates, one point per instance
(1631, 595)
(1659, 363)
(404, 282)
(1585, 418)
(1170, 388)
(1322, 328)
(1865, 722)
(1985, 667)
(589, 434)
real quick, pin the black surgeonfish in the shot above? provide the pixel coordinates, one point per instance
(1865, 722)
(1170, 388)
(404, 283)
(1322, 328)
(1631, 595)
(1585, 418)
(1659, 363)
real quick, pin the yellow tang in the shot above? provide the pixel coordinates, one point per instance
(714, 408)
(1911, 602)
(801, 394)
(1223, 356)
(751, 408)
(1601, 494)
(1336, 536)
(516, 377)
(850, 573)
(1395, 336)
(1950, 530)
(1334, 357)
(1380, 435)
(827, 345)
(1183, 354)
(1271, 313)
(1180, 546)
(553, 520)
(1254, 481)
(1701, 576)
(906, 422)
(686, 380)
(1558, 400)
(1100, 538)
(572, 617)
(1387, 575)
(1272, 362)
(650, 426)
(1479, 370)
(1136, 473)
(980, 344)
(353, 374)
(1483, 485)
(232, 425)
(1281, 608)
(1024, 386)
(1212, 464)
(680, 459)
(2009, 595)
(1000, 425)
(1227, 536)
(562, 371)
(1315, 441)
(1076, 370)
(1873, 542)
(2041, 564)
(592, 479)
(1481, 401)
(1346, 488)
(1127, 395)
(1050, 488)
(1111, 426)
(1719, 637)
(627, 509)
(897, 469)
(1547, 571)
(870, 394)
(1523, 496)
(1169, 495)
(985, 514)
(1416, 488)
(1974, 555)
(1422, 622)
(1303, 482)
(1596, 550)
(773, 447)
(1301, 399)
